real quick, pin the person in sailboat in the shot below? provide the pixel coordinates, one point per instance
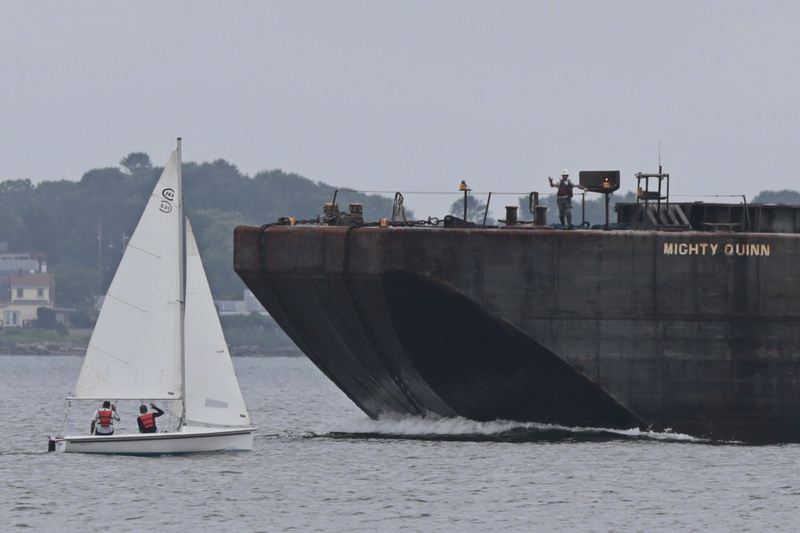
(103, 420)
(147, 421)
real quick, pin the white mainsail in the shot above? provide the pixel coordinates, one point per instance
(212, 392)
(135, 349)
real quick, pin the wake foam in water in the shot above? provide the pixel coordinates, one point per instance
(461, 429)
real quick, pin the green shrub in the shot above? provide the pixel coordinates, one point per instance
(45, 318)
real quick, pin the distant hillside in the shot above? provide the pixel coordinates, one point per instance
(784, 196)
(83, 226)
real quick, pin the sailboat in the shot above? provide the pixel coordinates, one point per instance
(158, 338)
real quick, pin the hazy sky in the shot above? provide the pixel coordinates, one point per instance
(409, 95)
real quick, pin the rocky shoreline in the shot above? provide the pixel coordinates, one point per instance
(43, 348)
(73, 348)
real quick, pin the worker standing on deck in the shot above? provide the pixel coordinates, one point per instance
(564, 197)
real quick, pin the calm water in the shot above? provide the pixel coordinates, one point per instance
(320, 465)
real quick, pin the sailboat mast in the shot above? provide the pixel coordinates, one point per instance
(182, 280)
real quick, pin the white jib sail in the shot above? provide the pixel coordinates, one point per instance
(134, 352)
(212, 391)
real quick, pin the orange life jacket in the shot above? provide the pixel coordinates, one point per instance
(148, 420)
(105, 417)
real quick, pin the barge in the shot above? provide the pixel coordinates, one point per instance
(680, 317)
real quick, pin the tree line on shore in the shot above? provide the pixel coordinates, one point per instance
(82, 227)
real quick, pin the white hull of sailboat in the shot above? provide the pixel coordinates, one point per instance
(189, 440)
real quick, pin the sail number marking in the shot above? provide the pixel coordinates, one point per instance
(166, 203)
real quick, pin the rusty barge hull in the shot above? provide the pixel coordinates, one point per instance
(694, 332)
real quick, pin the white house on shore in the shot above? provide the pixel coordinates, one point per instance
(25, 286)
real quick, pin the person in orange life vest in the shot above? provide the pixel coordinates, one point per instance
(103, 420)
(564, 197)
(147, 421)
